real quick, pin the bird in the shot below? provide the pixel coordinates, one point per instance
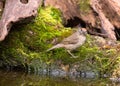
(72, 42)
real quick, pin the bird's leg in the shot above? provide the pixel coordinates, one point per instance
(71, 54)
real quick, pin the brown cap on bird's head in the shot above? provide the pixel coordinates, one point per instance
(82, 31)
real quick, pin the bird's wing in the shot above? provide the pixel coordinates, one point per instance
(73, 39)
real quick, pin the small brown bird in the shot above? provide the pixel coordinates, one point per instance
(73, 41)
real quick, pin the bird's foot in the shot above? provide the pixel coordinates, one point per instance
(72, 54)
(74, 57)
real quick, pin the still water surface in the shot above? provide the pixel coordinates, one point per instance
(22, 79)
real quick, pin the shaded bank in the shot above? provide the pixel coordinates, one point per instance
(25, 48)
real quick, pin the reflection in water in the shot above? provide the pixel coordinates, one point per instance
(22, 79)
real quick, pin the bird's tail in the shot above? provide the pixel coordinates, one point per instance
(54, 47)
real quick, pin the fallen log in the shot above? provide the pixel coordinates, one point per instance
(14, 11)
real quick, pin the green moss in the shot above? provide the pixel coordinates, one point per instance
(84, 5)
(95, 58)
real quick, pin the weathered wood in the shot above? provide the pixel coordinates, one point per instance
(111, 9)
(14, 11)
(107, 27)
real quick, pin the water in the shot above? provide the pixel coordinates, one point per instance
(11, 78)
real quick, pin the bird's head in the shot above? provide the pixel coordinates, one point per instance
(82, 31)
